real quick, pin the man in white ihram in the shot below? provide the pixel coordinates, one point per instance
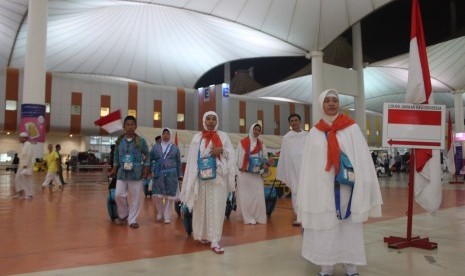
(290, 158)
(23, 178)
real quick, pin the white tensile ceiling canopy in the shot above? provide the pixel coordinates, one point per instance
(175, 42)
(386, 81)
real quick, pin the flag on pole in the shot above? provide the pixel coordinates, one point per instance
(427, 172)
(176, 139)
(111, 122)
(450, 148)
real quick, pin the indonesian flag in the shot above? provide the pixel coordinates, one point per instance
(176, 139)
(111, 122)
(427, 172)
(450, 148)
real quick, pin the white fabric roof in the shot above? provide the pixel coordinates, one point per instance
(386, 81)
(175, 42)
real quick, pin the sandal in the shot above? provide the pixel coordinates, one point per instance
(134, 225)
(217, 250)
(119, 221)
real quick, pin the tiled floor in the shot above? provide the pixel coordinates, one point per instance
(68, 233)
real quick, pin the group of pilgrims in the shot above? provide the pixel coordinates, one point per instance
(330, 210)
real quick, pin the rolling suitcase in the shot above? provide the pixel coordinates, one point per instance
(186, 219)
(111, 205)
(230, 204)
(148, 187)
(270, 198)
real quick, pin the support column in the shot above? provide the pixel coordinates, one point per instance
(317, 83)
(227, 72)
(357, 53)
(458, 110)
(36, 43)
(33, 96)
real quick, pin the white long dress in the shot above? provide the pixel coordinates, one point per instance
(290, 162)
(250, 192)
(326, 239)
(23, 176)
(207, 198)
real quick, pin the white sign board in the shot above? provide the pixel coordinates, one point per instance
(414, 125)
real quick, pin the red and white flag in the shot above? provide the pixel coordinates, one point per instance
(427, 186)
(176, 139)
(111, 122)
(450, 148)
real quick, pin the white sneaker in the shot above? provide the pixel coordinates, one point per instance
(159, 217)
(167, 221)
(27, 197)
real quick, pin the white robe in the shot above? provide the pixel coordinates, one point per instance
(328, 240)
(207, 198)
(250, 190)
(290, 162)
(23, 181)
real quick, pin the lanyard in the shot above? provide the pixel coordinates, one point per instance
(337, 197)
(259, 154)
(166, 151)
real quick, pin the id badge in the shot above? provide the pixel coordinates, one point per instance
(127, 164)
(206, 173)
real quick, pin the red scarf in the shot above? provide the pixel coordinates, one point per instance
(341, 122)
(211, 135)
(246, 146)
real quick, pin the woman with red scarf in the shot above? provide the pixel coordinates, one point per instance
(251, 161)
(209, 176)
(331, 237)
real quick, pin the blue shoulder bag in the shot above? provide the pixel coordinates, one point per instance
(345, 176)
(206, 166)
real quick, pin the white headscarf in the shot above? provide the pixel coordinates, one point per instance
(328, 93)
(253, 140)
(163, 143)
(205, 117)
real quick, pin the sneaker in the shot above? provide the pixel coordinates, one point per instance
(296, 223)
(27, 197)
(167, 221)
(159, 217)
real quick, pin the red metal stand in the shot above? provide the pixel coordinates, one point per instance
(455, 181)
(409, 241)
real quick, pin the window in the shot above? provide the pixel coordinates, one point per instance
(180, 117)
(241, 122)
(132, 112)
(156, 116)
(10, 105)
(307, 127)
(75, 109)
(104, 111)
(47, 108)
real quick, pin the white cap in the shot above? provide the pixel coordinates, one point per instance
(24, 134)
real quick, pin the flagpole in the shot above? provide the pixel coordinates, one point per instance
(409, 241)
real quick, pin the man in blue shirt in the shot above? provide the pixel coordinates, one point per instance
(130, 166)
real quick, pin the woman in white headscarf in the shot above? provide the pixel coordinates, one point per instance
(209, 176)
(166, 167)
(332, 237)
(251, 161)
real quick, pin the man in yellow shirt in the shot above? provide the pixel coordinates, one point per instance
(52, 160)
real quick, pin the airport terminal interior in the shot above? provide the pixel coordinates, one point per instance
(151, 59)
(68, 232)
